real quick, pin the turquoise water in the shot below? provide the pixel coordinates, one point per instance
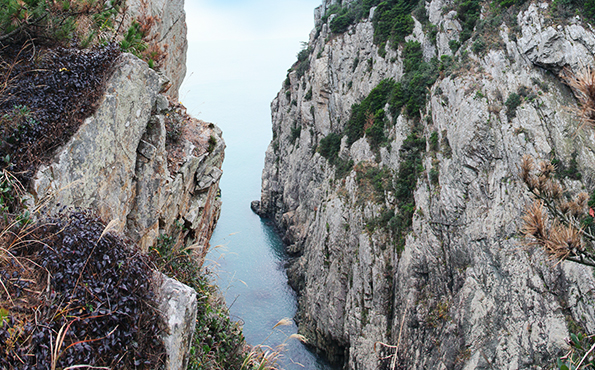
(232, 83)
(247, 255)
(251, 275)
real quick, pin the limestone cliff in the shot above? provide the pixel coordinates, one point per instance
(456, 289)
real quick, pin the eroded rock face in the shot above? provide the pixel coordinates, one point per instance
(464, 293)
(169, 32)
(119, 165)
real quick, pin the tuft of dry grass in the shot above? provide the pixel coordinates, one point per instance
(264, 357)
(583, 85)
(560, 224)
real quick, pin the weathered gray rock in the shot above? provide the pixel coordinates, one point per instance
(177, 303)
(464, 293)
(554, 46)
(169, 32)
(117, 164)
(96, 168)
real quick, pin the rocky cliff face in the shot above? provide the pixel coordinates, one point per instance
(118, 163)
(459, 290)
(167, 32)
(148, 169)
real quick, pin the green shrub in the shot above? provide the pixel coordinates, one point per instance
(512, 103)
(296, 131)
(302, 67)
(133, 40)
(343, 20)
(302, 64)
(434, 142)
(434, 176)
(308, 95)
(371, 105)
(410, 168)
(562, 171)
(212, 143)
(343, 167)
(392, 18)
(392, 21)
(412, 56)
(454, 45)
(468, 12)
(410, 93)
(378, 177)
(375, 133)
(479, 46)
(355, 63)
(330, 146)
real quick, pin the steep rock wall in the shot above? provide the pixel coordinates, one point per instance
(118, 165)
(168, 32)
(464, 293)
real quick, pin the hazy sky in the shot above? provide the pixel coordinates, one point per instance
(238, 55)
(241, 48)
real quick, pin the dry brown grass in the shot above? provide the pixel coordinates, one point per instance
(263, 357)
(558, 223)
(582, 84)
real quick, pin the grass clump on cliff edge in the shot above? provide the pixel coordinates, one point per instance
(74, 294)
(45, 96)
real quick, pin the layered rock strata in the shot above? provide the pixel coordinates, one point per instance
(463, 292)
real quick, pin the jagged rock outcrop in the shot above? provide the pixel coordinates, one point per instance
(463, 292)
(119, 165)
(168, 32)
(178, 304)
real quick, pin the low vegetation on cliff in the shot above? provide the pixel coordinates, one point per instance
(45, 96)
(75, 294)
(72, 294)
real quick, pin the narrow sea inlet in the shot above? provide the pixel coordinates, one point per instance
(235, 69)
(248, 261)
